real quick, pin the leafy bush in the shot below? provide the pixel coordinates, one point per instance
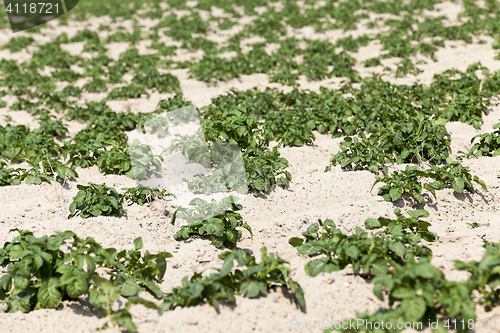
(43, 272)
(18, 44)
(418, 293)
(252, 282)
(485, 275)
(413, 223)
(10, 176)
(265, 170)
(220, 229)
(95, 86)
(403, 142)
(96, 200)
(408, 182)
(133, 90)
(141, 194)
(488, 145)
(455, 175)
(52, 127)
(373, 255)
(163, 83)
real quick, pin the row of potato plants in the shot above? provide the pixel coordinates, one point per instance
(43, 272)
(399, 267)
(382, 110)
(398, 264)
(405, 37)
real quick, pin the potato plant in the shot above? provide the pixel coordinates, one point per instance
(408, 182)
(96, 200)
(220, 229)
(251, 282)
(43, 272)
(488, 145)
(367, 255)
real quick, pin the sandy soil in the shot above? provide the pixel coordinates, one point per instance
(342, 196)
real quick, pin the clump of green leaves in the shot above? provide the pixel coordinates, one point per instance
(132, 90)
(266, 169)
(11, 176)
(418, 293)
(455, 175)
(42, 169)
(408, 181)
(403, 223)
(142, 194)
(406, 66)
(488, 145)
(95, 86)
(251, 282)
(485, 275)
(163, 83)
(50, 126)
(371, 254)
(220, 229)
(96, 200)
(18, 44)
(414, 141)
(43, 272)
(142, 160)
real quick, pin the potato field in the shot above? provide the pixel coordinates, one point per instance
(250, 166)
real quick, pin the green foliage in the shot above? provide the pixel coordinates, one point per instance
(372, 62)
(51, 54)
(95, 86)
(43, 167)
(133, 90)
(251, 282)
(93, 42)
(402, 183)
(410, 142)
(418, 293)
(121, 36)
(408, 182)
(405, 67)
(414, 141)
(18, 44)
(373, 255)
(85, 148)
(173, 103)
(455, 175)
(43, 272)
(52, 127)
(141, 194)
(87, 111)
(163, 83)
(264, 170)
(485, 275)
(412, 223)
(488, 145)
(11, 177)
(384, 123)
(96, 200)
(142, 160)
(220, 229)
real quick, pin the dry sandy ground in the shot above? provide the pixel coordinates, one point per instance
(342, 196)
